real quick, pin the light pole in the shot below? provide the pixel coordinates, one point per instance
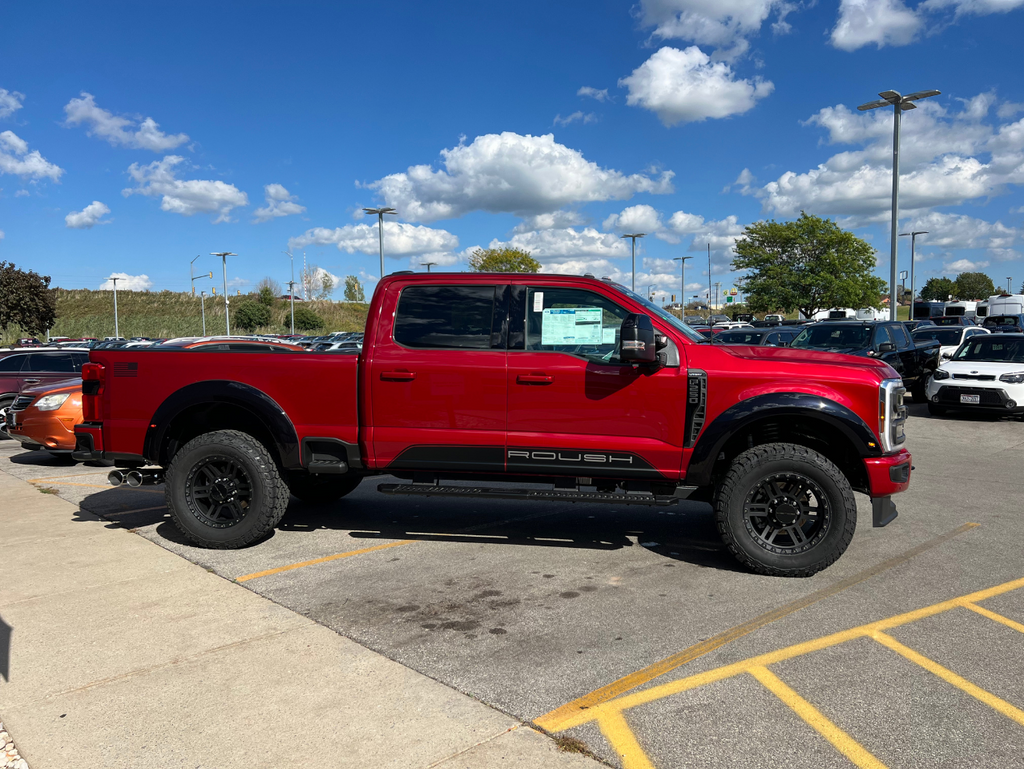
(381, 212)
(913, 242)
(900, 105)
(202, 305)
(1008, 286)
(682, 279)
(224, 257)
(117, 332)
(428, 265)
(633, 237)
(291, 290)
(191, 274)
(648, 294)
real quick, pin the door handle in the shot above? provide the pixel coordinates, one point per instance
(32, 381)
(397, 376)
(534, 379)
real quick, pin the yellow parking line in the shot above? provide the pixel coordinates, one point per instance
(842, 742)
(949, 676)
(550, 721)
(280, 569)
(995, 617)
(615, 729)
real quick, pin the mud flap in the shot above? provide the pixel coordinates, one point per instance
(883, 511)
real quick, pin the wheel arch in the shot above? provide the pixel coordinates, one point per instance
(816, 422)
(208, 406)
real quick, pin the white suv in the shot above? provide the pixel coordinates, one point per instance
(950, 337)
(985, 374)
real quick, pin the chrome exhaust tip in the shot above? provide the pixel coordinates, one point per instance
(134, 479)
(115, 477)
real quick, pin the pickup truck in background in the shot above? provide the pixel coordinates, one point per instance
(569, 388)
(913, 358)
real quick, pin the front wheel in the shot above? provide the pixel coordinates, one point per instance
(224, 490)
(785, 510)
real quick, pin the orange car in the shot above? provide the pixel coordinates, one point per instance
(44, 417)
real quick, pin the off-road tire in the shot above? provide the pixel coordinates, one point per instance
(5, 403)
(320, 489)
(268, 492)
(832, 530)
(935, 410)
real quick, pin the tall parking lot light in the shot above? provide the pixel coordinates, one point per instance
(202, 305)
(900, 105)
(291, 290)
(117, 333)
(224, 257)
(682, 279)
(913, 242)
(381, 213)
(633, 237)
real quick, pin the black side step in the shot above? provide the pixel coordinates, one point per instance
(526, 495)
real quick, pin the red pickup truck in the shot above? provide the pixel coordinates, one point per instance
(571, 388)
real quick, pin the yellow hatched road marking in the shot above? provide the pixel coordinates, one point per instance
(995, 617)
(949, 676)
(325, 559)
(551, 721)
(615, 729)
(813, 717)
(728, 671)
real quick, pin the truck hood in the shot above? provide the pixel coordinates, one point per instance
(991, 368)
(812, 357)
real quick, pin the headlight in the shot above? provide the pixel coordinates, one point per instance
(940, 374)
(51, 402)
(1015, 378)
(892, 415)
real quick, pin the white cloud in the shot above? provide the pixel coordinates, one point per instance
(642, 218)
(126, 282)
(882, 22)
(722, 24)
(10, 102)
(975, 7)
(22, 194)
(400, 239)
(87, 217)
(594, 93)
(963, 265)
(588, 117)
(134, 133)
(279, 203)
(509, 173)
(685, 86)
(16, 159)
(2, 235)
(181, 196)
(961, 231)
(561, 244)
(556, 219)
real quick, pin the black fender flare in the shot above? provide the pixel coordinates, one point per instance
(770, 405)
(218, 391)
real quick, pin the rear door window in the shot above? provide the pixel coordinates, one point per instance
(445, 317)
(11, 364)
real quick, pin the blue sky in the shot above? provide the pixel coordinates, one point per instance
(135, 136)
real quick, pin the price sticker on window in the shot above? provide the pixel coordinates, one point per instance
(538, 301)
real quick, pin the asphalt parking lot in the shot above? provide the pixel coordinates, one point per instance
(632, 630)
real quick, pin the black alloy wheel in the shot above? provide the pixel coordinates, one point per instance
(219, 491)
(787, 513)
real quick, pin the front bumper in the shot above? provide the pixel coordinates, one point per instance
(1000, 398)
(888, 474)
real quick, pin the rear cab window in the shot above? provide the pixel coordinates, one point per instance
(466, 317)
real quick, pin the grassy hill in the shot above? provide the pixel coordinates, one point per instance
(84, 313)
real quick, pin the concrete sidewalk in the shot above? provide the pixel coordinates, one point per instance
(125, 655)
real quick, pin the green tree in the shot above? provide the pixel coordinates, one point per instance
(266, 297)
(26, 300)
(307, 320)
(353, 289)
(938, 289)
(326, 286)
(970, 286)
(251, 315)
(502, 260)
(269, 282)
(808, 265)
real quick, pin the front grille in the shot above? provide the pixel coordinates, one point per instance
(976, 377)
(987, 397)
(22, 402)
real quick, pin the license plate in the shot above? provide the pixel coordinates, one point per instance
(970, 399)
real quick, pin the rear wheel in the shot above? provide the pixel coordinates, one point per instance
(785, 510)
(936, 410)
(224, 490)
(317, 489)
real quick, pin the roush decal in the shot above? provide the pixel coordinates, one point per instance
(583, 462)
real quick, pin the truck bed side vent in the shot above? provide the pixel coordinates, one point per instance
(123, 368)
(696, 404)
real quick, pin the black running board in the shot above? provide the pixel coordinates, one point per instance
(526, 495)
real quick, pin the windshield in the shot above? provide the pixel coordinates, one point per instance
(833, 337)
(995, 348)
(665, 315)
(947, 337)
(1001, 320)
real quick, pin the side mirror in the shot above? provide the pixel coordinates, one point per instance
(885, 347)
(636, 340)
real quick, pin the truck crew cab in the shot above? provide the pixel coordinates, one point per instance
(572, 388)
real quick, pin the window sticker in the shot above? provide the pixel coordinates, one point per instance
(538, 301)
(571, 325)
(608, 335)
